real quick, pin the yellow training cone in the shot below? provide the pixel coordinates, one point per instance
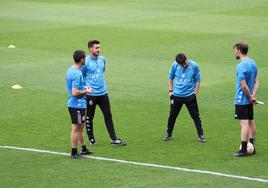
(16, 86)
(11, 46)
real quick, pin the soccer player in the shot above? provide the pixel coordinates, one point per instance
(246, 87)
(93, 72)
(184, 81)
(77, 103)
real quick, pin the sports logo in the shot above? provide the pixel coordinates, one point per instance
(90, 102)
(83, 118)
(79, 117)
(172, 101)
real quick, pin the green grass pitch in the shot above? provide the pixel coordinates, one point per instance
(140, 40)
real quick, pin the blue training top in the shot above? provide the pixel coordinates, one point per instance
(245, 70)
(74, 79)
(93, 72)
(185, 79)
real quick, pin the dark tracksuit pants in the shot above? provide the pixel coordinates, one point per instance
(104, 104)
(176, 104)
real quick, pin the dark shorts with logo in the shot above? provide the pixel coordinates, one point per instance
(77, 115)
(244, 112)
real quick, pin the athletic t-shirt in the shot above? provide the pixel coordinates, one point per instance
(184, 79)
(245, 70)
(74, 79)
(93, 72)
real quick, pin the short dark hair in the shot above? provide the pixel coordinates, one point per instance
(78, 55)
(92, 42)
(242, 47)
(180, 58)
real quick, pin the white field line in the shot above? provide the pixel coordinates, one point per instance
(143, 164)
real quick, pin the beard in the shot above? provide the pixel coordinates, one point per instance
(237, 57)
(96, 53)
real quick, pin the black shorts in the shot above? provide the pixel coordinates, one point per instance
(244, 111)
(77, 115)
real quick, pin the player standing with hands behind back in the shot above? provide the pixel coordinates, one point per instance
(246, 87)
(77, 103)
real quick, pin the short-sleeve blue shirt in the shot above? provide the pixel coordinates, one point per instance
(93, 72)
(245, 70)
(74, 79)
(185, 79)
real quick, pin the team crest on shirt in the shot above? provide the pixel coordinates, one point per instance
(99, 61)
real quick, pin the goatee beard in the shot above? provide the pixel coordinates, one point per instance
(237, 57)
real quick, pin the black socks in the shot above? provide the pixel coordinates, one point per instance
(252, 141)
(74, 151)
(244, 146)
(83, 148)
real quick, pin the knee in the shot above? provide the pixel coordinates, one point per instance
(76, 128)
(195, 116)
(251, 123)
(173, 116)
(108, 116)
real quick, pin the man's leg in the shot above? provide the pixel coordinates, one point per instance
(242, 113)
(175, 108)
(252, 127)
(91, 106)
(74, 139)
(80, 138)
(252, 134)
(83, 148)
(104, 105)
(193, 110)
(244, 125)
(77, 116)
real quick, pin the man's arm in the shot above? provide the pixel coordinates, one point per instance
(250, 96)
(256, 86)
(77, 92)
(76, 81)
(84, 70)
(197, 80)
(197, 85)
(170, 84)
(171, 78)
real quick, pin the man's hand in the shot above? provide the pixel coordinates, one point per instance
(252, 99)
(170, 93)
(89, 90)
